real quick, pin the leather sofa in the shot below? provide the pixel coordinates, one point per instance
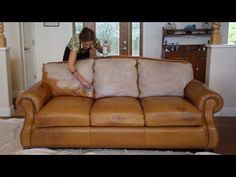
(134, 102)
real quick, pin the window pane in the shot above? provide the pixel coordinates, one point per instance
(232, 33)
(78, 27)
(109, 31)
(136, 38)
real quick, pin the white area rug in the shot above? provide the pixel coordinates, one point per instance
(10, 130)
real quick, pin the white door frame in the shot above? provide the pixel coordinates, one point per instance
(23, 54)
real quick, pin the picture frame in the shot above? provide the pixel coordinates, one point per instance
(51, 24)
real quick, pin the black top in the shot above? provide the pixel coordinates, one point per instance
(81, 55)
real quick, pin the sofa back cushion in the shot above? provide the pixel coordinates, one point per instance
(163, 78)
(115, 77)
(62, 82)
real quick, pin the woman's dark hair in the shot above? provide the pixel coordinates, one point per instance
(87, 34)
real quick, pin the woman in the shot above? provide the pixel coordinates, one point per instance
(78, 48)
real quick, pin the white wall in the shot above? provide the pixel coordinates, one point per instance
(12, 34)
(220, 75)
(152, 32)
(49, 46)
(6, 106)
(224, 32)
(50, 43)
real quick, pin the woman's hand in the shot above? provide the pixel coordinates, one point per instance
(86, 84)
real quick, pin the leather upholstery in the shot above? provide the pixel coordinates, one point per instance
(198, 93)
(61, 137)
(120, 137)
(115, 77)
(176, 137)
(161, 78)
(63, 83)
(28, 124)
(209, 102)
(117, 111)
(170, 111)
(120, 121)
(31, 101)
(211, 125)
(64, 111)
(117, 137)
(38, 95)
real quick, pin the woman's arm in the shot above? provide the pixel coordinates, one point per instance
(99, 49)
(74, 71)
(98, 46)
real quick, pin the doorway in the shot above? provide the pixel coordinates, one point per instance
(28, 53)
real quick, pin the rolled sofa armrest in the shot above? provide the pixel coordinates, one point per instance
(31, 101)
(199, 93)
(38, 95)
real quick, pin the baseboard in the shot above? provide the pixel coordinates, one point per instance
(15, 93)
(227, 111)
(7, 111)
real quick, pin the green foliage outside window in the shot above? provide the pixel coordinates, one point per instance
(232, 33)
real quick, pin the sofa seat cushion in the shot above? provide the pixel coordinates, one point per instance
(117, 111)
(64, 111)
(170, 111)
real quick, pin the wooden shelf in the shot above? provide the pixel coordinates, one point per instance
(184, 54)
(175, 35)
(183, 32)
(188, 52)
(194, 53)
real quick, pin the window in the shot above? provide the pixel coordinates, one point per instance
(109, 31)
(136, 38)
(124, 38)
(232, 33)
(78, 26)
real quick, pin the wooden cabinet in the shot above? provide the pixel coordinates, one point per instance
(195, 54)
(196, 58)
(199, 67)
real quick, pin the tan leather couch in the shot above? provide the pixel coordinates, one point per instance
(146, 103)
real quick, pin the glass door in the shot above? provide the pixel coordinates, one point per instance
(109, 31)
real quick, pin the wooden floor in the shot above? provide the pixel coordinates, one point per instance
(227, 133)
